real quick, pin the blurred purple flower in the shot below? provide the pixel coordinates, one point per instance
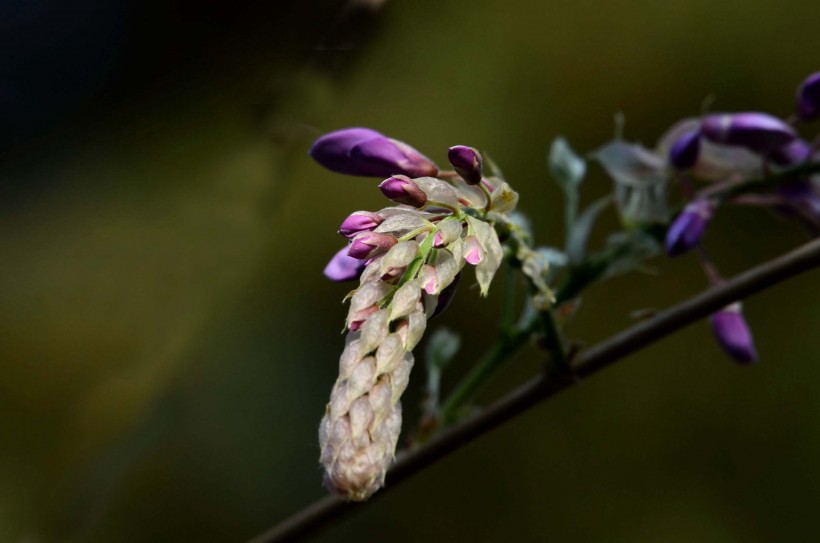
(758, 132)
(791, 154)
(684, 152)
(688, 228)
(343, 268)
(715, 162)
(365, 152)
(808, 98)
(733, 334)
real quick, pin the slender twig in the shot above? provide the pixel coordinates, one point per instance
(588, 362)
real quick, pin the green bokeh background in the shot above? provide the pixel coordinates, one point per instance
(167, 341)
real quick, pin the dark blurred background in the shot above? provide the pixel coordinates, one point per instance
(167, 340)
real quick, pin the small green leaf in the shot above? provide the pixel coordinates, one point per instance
(441, 348)
(579, 235)
(630, 251)
(566, 167)
(568, 170)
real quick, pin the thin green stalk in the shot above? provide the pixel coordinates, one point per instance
(478, 376)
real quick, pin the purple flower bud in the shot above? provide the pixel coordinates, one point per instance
(687, 229)
(370, 244)
(755, 131)
(402, 190)
(733, 334)
(808, 98)
(343, 268)
(361, 151)
(467, 162)
(473, 251)
(684, 152)
(791, 154)
(360, 221)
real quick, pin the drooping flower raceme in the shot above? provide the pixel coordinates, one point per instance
(411, 257)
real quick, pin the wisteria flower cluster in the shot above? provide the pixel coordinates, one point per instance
(408, 258)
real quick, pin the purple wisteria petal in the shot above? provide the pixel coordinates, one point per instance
(360, 221)
(684, 152)
(715, 162)
(370, 244)
(467, 162)
(733, 334)
(791, 154)
(688, 228)
(808, 98)
(759, 132)
(403, 190)
(802, 195)
(333, 149)
(343, 268)
(365, 152)
(383, 157)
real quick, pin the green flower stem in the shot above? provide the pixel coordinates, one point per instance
(453, 408)
(769, 181)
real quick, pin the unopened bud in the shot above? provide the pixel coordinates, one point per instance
(448, 231)
(370, 244)
(758, 132)
(688, 228)
(362, 151)
(733, 334)
(360, 221)
(467, 162)
(473, 251)
(684, 152)
(402, 190)
(429, 279)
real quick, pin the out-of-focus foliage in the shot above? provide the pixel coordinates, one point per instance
(167, 340)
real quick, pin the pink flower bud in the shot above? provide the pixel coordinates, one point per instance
(429, 279)
(473, 251)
